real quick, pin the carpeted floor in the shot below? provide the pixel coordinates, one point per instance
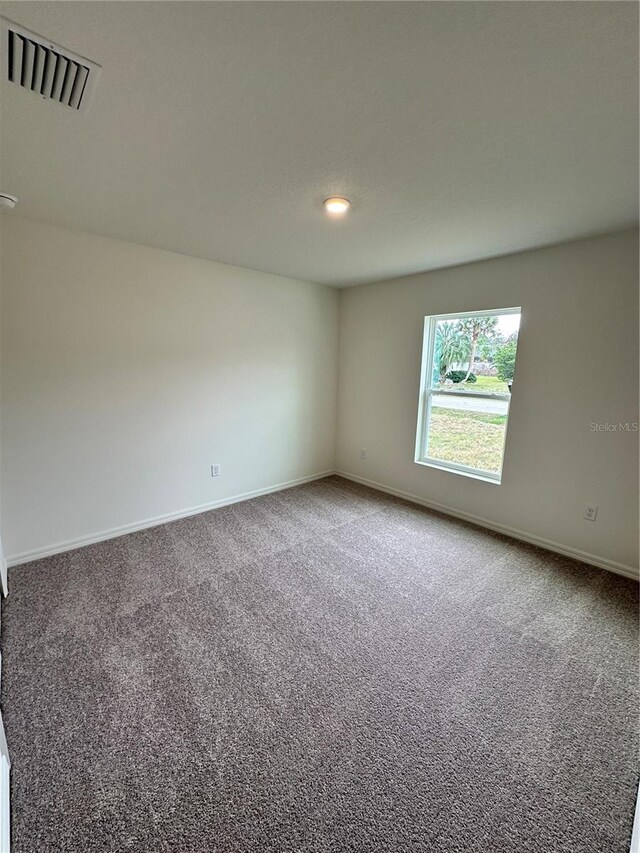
(321, 669)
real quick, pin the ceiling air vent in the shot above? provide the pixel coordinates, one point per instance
(51, 71)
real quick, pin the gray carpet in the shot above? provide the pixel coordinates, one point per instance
(321, 669)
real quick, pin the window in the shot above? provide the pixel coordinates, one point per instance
(468, 365)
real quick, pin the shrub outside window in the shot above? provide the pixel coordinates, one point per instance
(468, 369)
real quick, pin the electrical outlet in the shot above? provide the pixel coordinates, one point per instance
(590, 512)
(363, 454)
(215, 470)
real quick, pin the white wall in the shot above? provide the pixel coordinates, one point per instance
(127, 371)
(577, 364)
(3, 562)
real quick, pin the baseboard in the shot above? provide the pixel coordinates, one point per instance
(635, 833)
(514, 533)
(5, 793)
(114, 532)
(522, 535)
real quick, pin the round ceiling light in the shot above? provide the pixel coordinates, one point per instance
(8, 201)
(336, 206)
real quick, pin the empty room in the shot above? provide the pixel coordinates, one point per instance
(319, 427)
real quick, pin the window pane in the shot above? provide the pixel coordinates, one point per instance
(468, 431)
(475, 354)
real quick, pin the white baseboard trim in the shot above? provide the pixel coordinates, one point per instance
(635, 835)
(514, 533)
(522, 535)
(5, 793)
(114, 532)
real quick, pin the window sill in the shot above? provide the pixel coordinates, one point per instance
(451, 469)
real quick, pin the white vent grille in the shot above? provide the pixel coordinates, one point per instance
(45, 68)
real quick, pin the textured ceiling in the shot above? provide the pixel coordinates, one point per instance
(459, 130)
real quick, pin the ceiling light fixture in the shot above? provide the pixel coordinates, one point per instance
(8, 201)
(336, 206)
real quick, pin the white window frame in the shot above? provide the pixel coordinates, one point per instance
(427, 392)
